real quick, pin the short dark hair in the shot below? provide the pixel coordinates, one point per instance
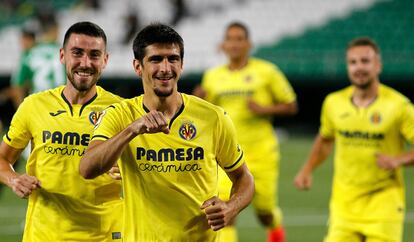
(237, 24)
(86, 28)
(364, 41)
(156, 33)
(26, 33)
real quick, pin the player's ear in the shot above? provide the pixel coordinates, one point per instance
(220, 47)
(137, 67)
(106, 58)
(62, 55)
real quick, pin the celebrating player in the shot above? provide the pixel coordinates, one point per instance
(368, 122)
(252, 91)
(59, 122)
(170, 146)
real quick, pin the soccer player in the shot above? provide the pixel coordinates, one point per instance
(40, 68)
(368, 123)
(252, 91)
(16, 93)
(59, 124)
(170, 146)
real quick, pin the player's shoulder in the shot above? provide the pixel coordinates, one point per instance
(107, 95)
(392, 95)
(262, 64)
(216, 70)
(201, 106)
(343, 94)
(128, 104)
(45, 94)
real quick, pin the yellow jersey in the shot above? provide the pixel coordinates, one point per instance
(167, 177)
(66, 207)
(260, 81)
(360, 133)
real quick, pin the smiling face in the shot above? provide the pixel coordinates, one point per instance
(160, 69)
(363, 65)
(236, 44)
(84, 58)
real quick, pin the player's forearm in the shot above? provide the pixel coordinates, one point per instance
(7, 172)
(282, 109)
(242, 190)
(406, 159)
(321, 149)
(8, 156)
(102, 155)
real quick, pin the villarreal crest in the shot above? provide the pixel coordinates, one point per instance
(187, 131)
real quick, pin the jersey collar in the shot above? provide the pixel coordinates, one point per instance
(83, 106)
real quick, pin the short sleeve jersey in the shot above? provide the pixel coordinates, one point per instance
(361, 133)
(260, 81)
(166, 177)
(67, 207)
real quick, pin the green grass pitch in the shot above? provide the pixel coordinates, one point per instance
(305, 213)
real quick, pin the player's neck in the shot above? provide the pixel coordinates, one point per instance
(169, 106)
(78, 97)
(237, 64)
(363, 97)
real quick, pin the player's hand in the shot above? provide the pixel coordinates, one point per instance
(387, 162)
(303, 180)
(255, 107)
(218, 213)
(114, 172)
(152, 122)
(23, 185)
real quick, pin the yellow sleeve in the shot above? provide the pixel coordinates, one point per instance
(327, 128)
(109, 123)
(280, 86)
(407, 121)
(19, 135)
(229, 154)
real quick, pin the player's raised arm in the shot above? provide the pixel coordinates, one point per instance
(21, 184)
(321, 149)
(220, 213)
(102, 155)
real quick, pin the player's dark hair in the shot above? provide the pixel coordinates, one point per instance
(364, 41)
(156, 33)
(240, 25)
(86, 28)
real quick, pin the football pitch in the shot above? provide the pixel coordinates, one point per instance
(305, 213)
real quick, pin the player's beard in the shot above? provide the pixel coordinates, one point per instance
(82, 86)
(363, 84)
(165, 93)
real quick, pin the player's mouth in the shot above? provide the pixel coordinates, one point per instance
(360, 74)
(84, 73)
(165, 79)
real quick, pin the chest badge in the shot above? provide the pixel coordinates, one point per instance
(187, 131)
(96, 117)
(376, 118)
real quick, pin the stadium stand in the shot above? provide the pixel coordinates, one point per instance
(319, 51)
(202, 29)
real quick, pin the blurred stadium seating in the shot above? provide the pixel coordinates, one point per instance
(279, 24)
(305, 38)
